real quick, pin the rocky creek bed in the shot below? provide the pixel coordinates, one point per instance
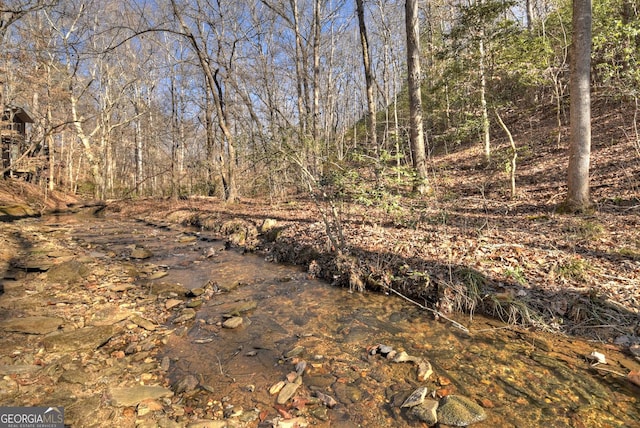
(126, 323)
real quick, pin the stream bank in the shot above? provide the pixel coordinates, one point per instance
(97, 317)
(560, 274)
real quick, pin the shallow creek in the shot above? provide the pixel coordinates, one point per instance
(521, 379)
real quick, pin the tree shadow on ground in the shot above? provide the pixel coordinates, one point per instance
(15, 266)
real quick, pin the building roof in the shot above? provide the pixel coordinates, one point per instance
(17, 112)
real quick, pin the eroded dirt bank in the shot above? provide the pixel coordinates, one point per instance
(575, 275)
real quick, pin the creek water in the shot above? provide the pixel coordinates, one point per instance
(522, 379)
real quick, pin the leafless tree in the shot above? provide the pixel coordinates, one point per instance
(368, 75)
(216, 90)
(415, 96)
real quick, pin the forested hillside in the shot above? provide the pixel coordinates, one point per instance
(237, 99)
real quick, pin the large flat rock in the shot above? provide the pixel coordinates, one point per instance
(82, 339)
(131, 396)
(32, 325)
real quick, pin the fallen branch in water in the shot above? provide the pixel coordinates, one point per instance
(426, 308)
(597, 367)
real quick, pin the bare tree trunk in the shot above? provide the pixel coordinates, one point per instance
(231, 190)
(50, 140)
(529, 6)
(175, 140)
(368, 76)
(486, 136)
(137, 137)
(315, 116)
(514, 155)
(210, 148)
(85, 139)
(302, 83)
(415, 96)
(578, 198)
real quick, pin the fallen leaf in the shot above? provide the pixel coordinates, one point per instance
(284, 412)
(299, 403)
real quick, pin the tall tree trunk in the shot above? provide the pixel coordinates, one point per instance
(415, 96)
(368, 76)
(175, 141)
(137, 128)
(529, 6)
(580, 109)
(315, 114)
(231, 190)
(49, 134)
(89, 150)
(211, 160)
(486, 136)
(302, 85)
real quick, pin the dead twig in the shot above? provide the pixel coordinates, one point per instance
(426, 308)
(597, 367)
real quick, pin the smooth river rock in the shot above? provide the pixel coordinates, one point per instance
(459, 411)
(186, 315)
(141, 253)
(32, 325)
(233, 322)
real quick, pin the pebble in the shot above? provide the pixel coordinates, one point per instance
(326, 399)
(427, 412)
(295, 352)
(141, 253)
(384, 349)
(207, 423)
(144, 323)
(233, 322)
(320, 413)
(597, 357)
(402, 357)
(158, 274)
(194, 303)
(287, 392)
(424, 370)
(416, 397)
(186, 384)
(195, 292)
(186, 315)
(276, 388)
(148, 406)
(300, 367)
(172, 303)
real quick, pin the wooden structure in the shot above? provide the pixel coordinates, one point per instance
(13, 132)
